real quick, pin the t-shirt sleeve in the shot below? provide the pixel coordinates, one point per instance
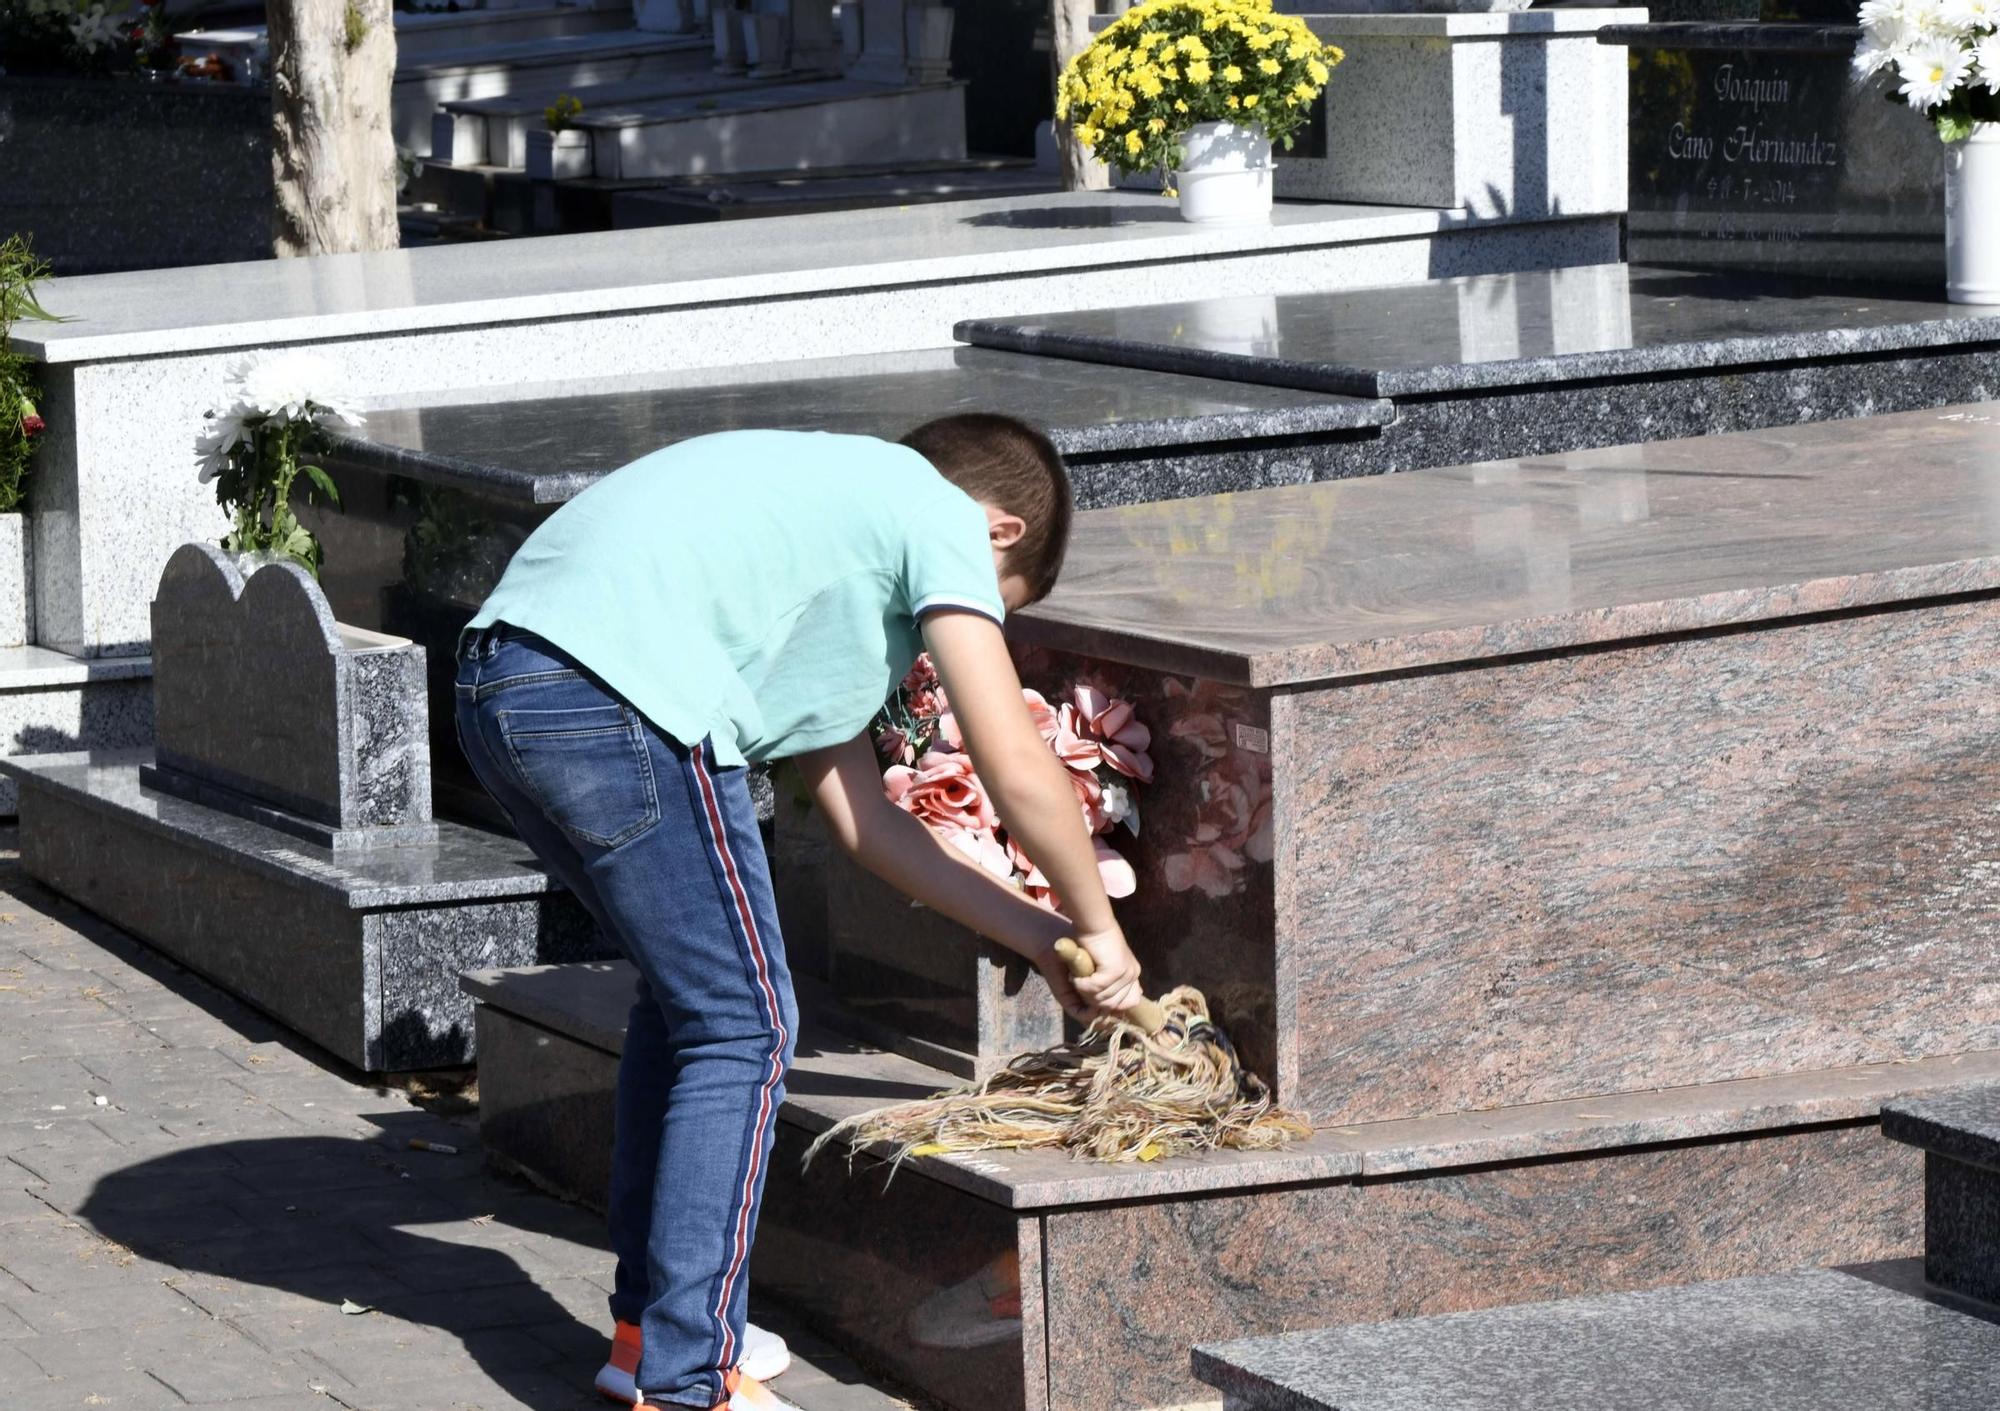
(948, 559)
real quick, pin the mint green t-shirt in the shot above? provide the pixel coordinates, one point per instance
(760, 589)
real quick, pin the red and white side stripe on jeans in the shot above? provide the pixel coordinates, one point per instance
(766, 1099)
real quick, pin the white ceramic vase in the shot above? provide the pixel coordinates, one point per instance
(1972, 217)
(1225, 175)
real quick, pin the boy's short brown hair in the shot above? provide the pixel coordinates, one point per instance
(1003, 461)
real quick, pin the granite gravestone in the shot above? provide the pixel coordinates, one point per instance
(1754, 148)
(268, 709)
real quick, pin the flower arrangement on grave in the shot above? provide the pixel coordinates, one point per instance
(1102, 745)
(85, 37)
(21, 424)
(1945, 55)
(1158, 82)
(561, 115)
(275, 414)
(1944, 60)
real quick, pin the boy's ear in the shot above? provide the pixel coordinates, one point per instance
(1003, 529)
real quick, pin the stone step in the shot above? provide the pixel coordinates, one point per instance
(493, 131)
(1542, 361)
(1857, 1339)
(791, 125)
(52, 701)
(562, 61)
(359, 951)
(1360, 1223)
(1959, 1134)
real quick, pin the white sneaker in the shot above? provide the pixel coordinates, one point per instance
(764, 1356)
(976, 1312)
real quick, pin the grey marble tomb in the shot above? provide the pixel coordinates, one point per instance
(1542, 362)
(280, 841)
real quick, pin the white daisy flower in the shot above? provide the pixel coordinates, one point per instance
(1881, 47)
(1932, 71)
(1967, 16)
(1875, 12)
(1987, 53)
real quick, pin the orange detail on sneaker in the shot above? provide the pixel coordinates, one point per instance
(764, 1356)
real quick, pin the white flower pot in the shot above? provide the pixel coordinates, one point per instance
(1225, 175)
(558, 156)
(1972, 217)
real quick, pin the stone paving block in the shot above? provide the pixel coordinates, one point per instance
(136, 1304)
(28, 1083)
(247, 1304)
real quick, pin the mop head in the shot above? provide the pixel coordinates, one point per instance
(1114, 1095)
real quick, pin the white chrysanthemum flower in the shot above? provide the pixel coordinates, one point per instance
(1932, 72)
(92, 29)
(1987, 55)
(1882, 46)
(1926, 18)
(1970, 16)
(282, 385)
(1875, 12)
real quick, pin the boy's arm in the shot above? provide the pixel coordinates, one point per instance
(846, 782)
(1030, 789)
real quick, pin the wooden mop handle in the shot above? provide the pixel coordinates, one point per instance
(1147, 1013)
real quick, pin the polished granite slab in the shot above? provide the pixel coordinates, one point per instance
(1318, 583)
(1788, 1342)
(463, 286)
(543, 446)
(1580, 324)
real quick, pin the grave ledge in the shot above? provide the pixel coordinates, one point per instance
(464, 864)
(583, 1005)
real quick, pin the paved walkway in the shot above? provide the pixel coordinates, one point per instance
(198, 1210)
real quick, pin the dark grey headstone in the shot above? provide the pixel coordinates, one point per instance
(1753, 149)
(268, 708)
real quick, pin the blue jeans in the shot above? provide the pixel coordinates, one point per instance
(662, 847)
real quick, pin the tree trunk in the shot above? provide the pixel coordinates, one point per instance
(333, 152)
(1080, 170)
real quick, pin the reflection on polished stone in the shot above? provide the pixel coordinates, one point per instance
(543, 446)
(1541, 326)
(1315, 582)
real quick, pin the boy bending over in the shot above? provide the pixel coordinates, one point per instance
(726, 601)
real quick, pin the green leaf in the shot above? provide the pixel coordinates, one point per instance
(324, 481)
(1954, 127)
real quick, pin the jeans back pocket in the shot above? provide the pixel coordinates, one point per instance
(588, 768)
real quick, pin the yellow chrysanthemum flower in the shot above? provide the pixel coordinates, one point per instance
(1269, 66)
(1232, 74)
(1191, 45)
(1133, 144)
(1200, 71)
(1251, 101)
(1318, 70)
(1233, 101)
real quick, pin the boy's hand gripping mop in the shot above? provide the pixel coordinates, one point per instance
(1159, 1081)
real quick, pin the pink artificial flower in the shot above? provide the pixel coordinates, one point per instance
(1046, 722)
(984, 850)
(943, 791)
(1090, 797)
(895, 747)
(1112, 869)
(925, 691)
(32, 425)
(1107, 728)
(1212, 869)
